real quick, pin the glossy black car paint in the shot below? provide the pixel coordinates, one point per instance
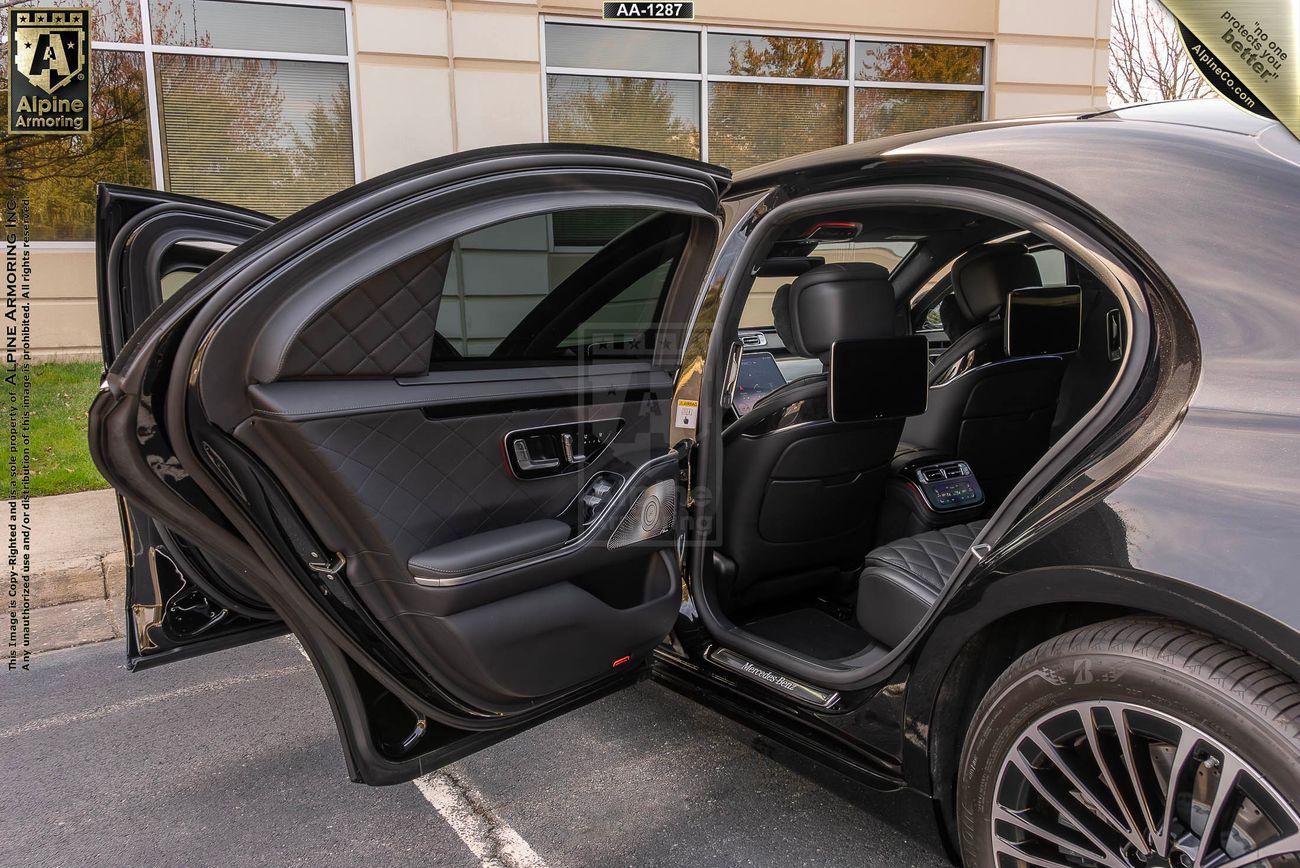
(1184, 506)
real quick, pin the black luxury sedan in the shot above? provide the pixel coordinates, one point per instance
(963, 461)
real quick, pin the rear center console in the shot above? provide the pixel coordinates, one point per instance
(929, 492)
(948, 486)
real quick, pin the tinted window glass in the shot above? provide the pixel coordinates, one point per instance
(779, 56)
(752, 123)
(652, 114)
(915, 61)
(271, 135)
(513, 292)
(256, 26)
(888, 111)
(1051, 265)
(591, 47)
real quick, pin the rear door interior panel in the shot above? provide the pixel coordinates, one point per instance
(383, 386)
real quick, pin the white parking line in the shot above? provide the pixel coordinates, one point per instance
(104, 711)
(487, 836)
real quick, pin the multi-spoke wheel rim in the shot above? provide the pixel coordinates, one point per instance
(1118, 785)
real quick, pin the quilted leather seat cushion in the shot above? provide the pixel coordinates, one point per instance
(902, 580)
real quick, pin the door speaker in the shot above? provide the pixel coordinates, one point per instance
(652, 515)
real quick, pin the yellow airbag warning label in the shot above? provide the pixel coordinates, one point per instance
(686, 412)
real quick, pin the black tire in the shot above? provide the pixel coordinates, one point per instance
(1248, 705)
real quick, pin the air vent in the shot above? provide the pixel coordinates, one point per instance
(753, 339)
(949, 470)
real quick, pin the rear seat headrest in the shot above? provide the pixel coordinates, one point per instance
(981, 278)
(841, 301)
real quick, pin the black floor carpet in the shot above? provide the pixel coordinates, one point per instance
(812, 632)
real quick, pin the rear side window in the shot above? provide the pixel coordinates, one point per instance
(569, 285)
(1051, 265)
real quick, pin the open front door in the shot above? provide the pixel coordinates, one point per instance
(179, 600)
(426, 421)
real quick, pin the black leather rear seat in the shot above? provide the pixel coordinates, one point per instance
(902, 580)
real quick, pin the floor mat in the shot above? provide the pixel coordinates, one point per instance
(811, 632)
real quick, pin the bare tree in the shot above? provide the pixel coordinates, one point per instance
(1147, 57)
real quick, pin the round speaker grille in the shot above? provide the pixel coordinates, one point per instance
(650, 513)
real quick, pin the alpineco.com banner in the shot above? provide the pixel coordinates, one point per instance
(1248, 51)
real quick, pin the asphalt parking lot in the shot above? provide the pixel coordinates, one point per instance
(232, 759)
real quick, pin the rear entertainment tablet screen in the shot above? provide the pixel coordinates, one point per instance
(1043, 320)
(880, 378)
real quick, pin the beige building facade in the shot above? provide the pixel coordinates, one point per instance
(422, 78)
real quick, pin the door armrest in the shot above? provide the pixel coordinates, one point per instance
(489, 549)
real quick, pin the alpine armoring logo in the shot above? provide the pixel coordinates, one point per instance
(49, 71)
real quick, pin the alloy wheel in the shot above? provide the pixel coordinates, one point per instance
(1119, 785)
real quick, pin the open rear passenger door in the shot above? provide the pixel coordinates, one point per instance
(179, 601)
(426, 422)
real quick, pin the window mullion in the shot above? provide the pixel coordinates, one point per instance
(704, 94)
(151, 97)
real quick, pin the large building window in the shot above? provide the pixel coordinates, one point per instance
(905, 86)
(251, 103)
(648, 95)
(741, 99)
(57, 174)
(772, 96)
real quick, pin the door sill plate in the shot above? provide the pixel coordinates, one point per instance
(781, 683)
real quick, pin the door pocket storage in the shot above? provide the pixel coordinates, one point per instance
(531, 645)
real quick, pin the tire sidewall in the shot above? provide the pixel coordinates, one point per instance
(1057, 681)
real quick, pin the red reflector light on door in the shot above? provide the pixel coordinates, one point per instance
(620, 661)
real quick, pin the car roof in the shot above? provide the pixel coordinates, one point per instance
(1210, 114)
(1207, 114)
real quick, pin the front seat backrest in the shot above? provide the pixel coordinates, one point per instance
(800, 492)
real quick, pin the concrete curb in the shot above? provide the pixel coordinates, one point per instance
(76, 548)
(78, 570)
(80, 623)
